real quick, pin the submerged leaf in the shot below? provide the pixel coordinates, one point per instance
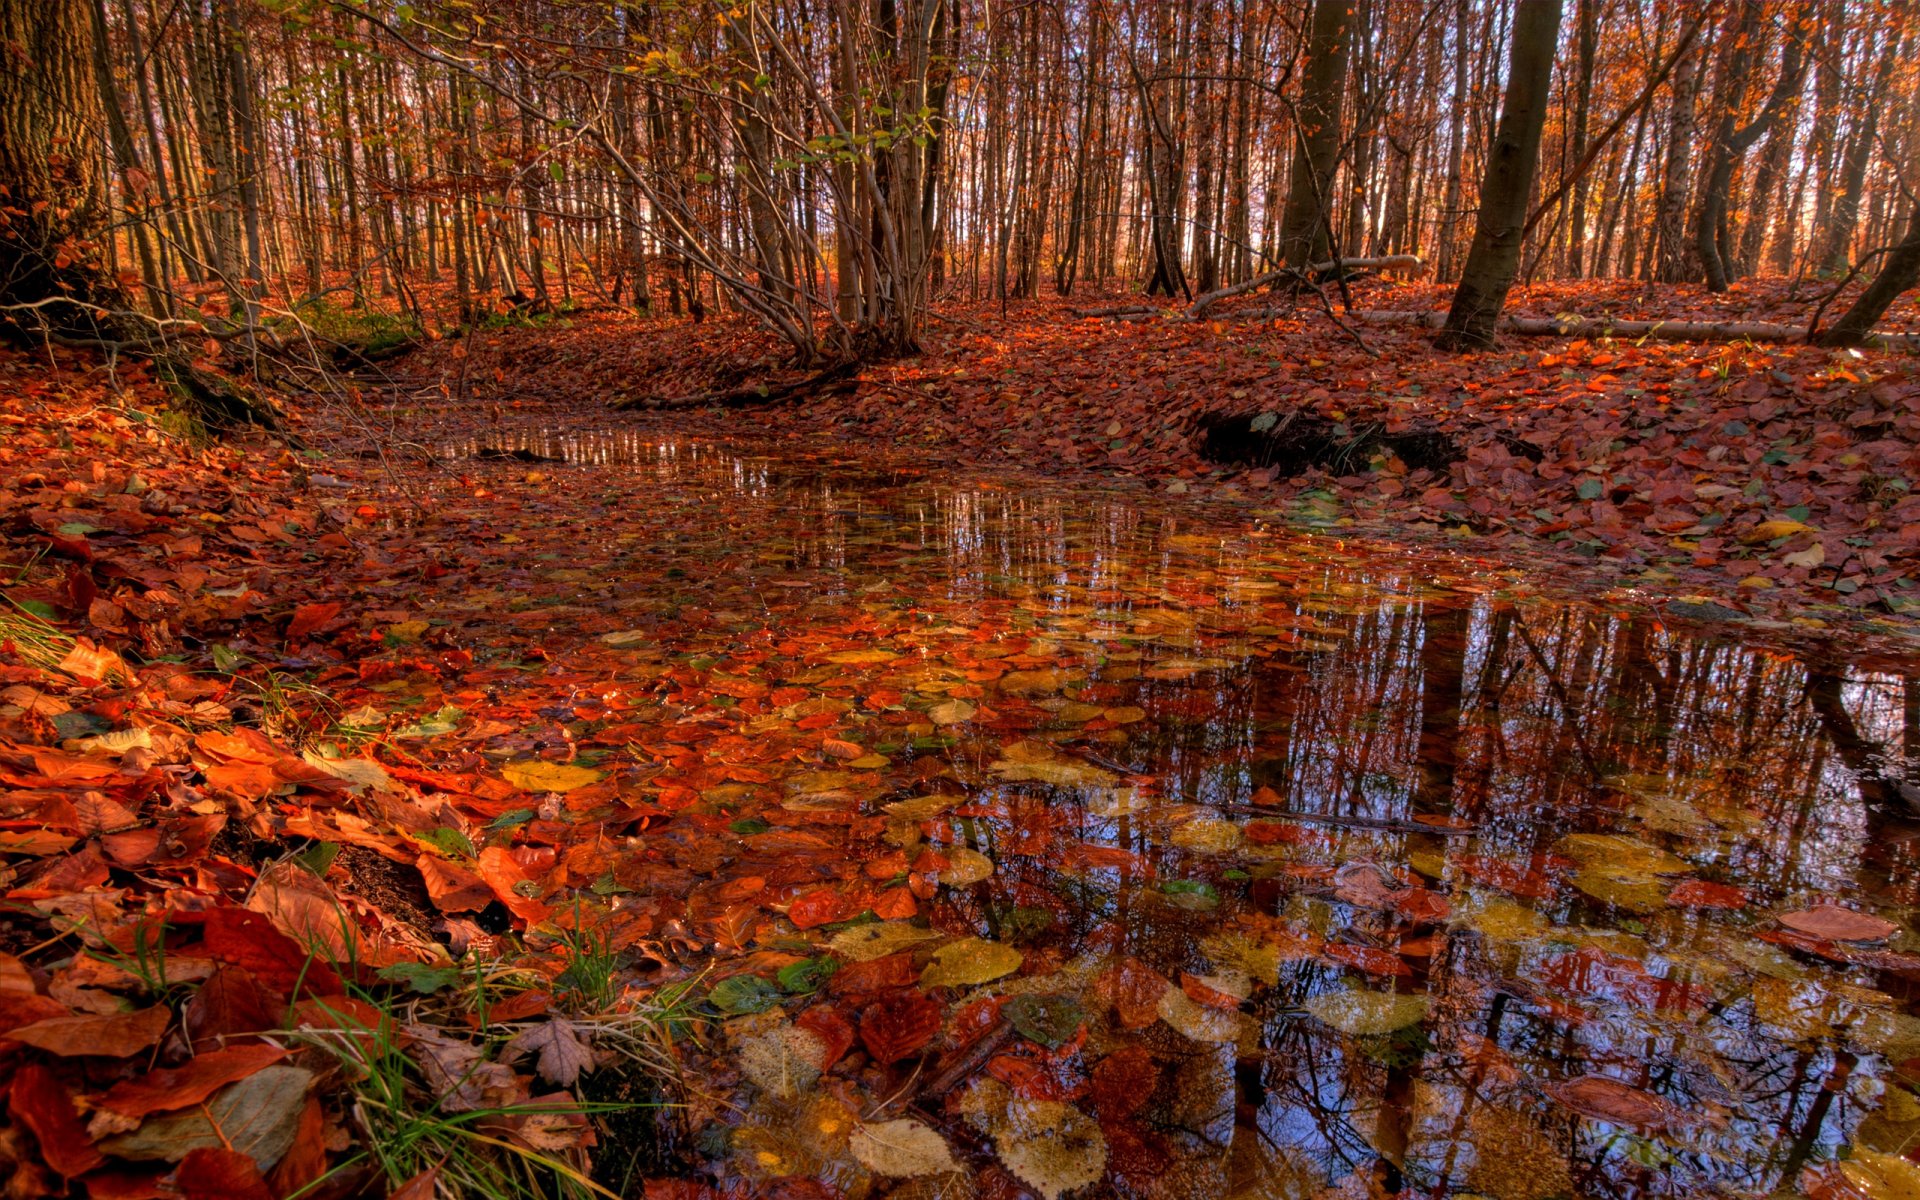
(900, 1149)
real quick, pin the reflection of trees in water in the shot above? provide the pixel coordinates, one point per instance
(1354, 689)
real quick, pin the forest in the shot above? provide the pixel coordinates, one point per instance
(959, 599)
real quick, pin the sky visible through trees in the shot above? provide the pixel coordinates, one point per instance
(831, 167)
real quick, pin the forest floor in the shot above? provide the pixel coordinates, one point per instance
(1771, 480)
(499, 731)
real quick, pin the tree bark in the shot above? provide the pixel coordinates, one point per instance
(1303, 226)
(1495, 256)
(1898, 274)
(53, 218)
(1730, 144)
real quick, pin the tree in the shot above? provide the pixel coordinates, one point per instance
(1731, 141)
(1898, 274)
(1303, 227)
(53, 217)
(1494, 258)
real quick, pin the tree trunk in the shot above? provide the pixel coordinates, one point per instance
(1670, 215)
(1730, 144)
(1495, 256)
(1899, 273)
(1303, 226)
(53, 218)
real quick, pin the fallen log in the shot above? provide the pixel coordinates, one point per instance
(1122, 311)
(1662, 331)
(1387, 262)
(830, 379)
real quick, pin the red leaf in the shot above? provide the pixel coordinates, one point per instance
(309, 617)
(818, 907)
(1123, 1082)
(248, 939)
(306, 1159)
(43, 1105)
(874, 975)
(898, 1025)
(453, 889)
(188, 1084)
(1698, 893)
(214, 1173)
(1614, 1102)
(420, 1187)
(1836, 924)
(834, 1031)
(1371, 959)
(231, 1004)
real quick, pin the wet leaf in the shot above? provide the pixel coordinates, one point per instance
(784, 1062)
(863, 943)
(970, 961)
(1607, 1099)
(1837, 924)
(1367, 1012)
(1049, 1020)
(901, 1149)
(898, 1025)
(1052, 1147)
(745, 994)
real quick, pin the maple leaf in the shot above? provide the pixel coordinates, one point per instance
(562, 1054)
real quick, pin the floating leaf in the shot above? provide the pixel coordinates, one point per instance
(784, 1061)
(1208, 835)
(1837, 924)
(1049, 1020)
(964, 867)
(1366, 1012)
(861, 657)
(1620, 854)
(1617, 1103)
(1200, 1022)
(895, 1026)
(864, 943)
(970, 961)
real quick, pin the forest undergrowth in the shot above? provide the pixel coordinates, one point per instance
(326, 843)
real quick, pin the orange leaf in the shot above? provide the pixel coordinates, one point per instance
(113, 1035)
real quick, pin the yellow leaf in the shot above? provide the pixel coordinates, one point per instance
(539, 775)
(1766, 531)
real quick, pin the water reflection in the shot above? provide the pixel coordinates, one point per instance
(1313, 770)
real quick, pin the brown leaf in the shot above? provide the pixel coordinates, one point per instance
(1616, 1103)
(116, 1035)
(1837, 924)
(563, 1056)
